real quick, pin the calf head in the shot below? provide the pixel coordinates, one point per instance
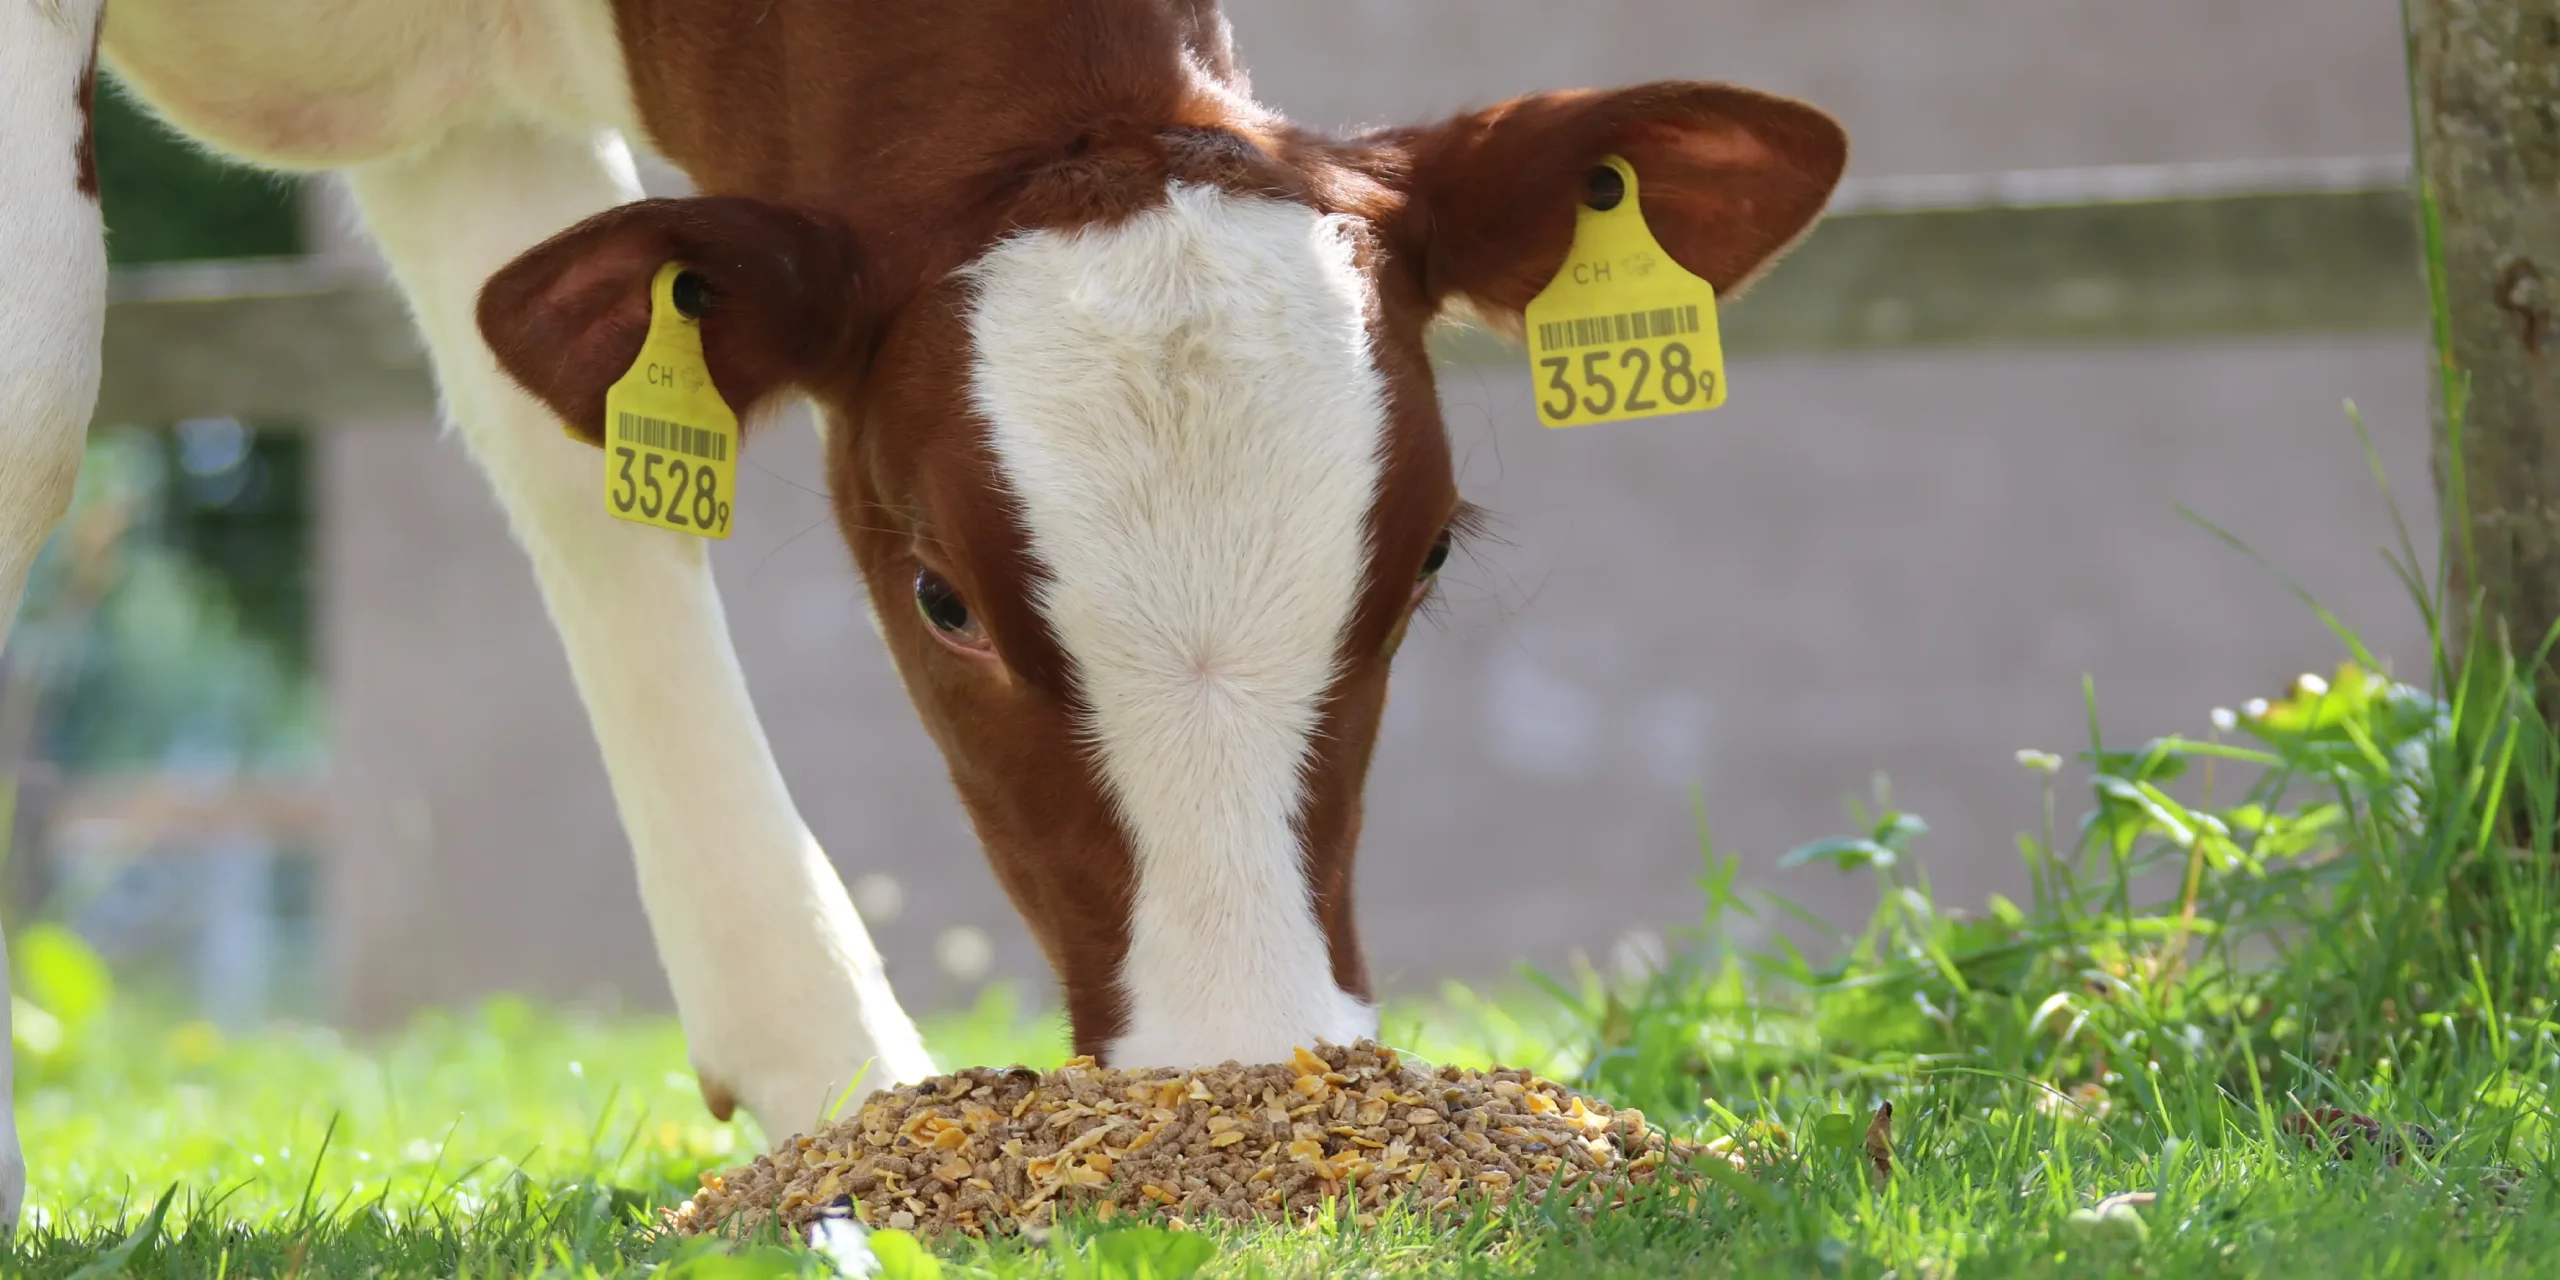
(1133, 435)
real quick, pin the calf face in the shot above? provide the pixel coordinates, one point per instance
(1135, 440)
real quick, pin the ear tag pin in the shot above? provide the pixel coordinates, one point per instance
(671, 442)
(1623, 331)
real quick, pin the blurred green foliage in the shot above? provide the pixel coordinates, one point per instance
(168, 200)
(148, 657)
(65, 991)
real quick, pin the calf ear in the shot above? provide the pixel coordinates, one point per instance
(780, 301)
(1728, 179)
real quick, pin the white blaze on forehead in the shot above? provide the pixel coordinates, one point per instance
(1188, 415)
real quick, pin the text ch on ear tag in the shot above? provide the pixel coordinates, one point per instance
(671, 442)
(1623, 331)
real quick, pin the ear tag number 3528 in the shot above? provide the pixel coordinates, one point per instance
(671, 443)
(1622, 331)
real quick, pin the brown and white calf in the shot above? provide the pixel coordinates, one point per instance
(1129, 424)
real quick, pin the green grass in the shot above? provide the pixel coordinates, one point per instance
(2292, 913)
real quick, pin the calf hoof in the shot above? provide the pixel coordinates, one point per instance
(717, 1095)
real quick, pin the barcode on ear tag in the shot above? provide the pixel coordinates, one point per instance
(1625, 326)
(673, 437)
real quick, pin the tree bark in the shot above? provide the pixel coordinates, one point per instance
(2485, 91)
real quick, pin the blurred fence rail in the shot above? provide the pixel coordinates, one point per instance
(2125, 254)
(154, 813)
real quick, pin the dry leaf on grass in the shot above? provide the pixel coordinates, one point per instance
(2341, 1133)
(2345, 1130)
(1880, 1143)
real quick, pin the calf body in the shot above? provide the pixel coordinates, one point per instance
(1130, 427)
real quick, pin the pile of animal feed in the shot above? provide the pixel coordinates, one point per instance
(994, 1151)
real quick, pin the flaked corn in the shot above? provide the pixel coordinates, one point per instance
(992, 1151)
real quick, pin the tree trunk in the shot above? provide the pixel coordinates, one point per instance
(2485, 86)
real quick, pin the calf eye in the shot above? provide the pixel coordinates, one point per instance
(1438, 557)
(945, 611)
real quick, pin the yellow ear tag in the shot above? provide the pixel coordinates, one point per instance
(671, 443)
(1622, 331)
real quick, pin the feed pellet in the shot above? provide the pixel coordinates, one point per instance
(987, 1151)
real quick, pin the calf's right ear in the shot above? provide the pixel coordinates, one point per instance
(778, 290)
(1727, 179)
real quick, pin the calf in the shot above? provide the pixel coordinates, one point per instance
(1129, 425)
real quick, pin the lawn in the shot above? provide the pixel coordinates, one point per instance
(2289, 978)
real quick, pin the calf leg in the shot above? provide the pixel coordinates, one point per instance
(53, 299)
(778, 985)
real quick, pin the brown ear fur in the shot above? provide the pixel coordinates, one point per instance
(567, 317)
(1729, 179)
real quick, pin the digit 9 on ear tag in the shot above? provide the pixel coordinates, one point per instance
(671, 443)
(1622, 331)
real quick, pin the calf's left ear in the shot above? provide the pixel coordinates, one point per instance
(779, 292)
(1728, 179)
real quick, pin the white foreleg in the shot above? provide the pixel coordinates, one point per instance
(779, 987)
(53, 305)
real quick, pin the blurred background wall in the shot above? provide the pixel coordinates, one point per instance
(1899, 563)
